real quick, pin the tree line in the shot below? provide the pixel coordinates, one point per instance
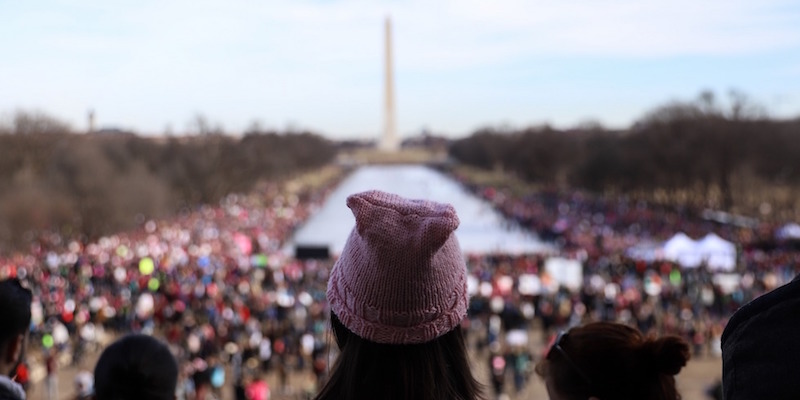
(701, 153)
(88, 185)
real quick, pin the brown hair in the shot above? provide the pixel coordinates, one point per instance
(435, 370)
(618, 360)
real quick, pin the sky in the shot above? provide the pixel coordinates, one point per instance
(154, 66)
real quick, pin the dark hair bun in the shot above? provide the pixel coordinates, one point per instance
(667, 355)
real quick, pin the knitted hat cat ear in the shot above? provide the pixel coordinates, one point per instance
(401, 277)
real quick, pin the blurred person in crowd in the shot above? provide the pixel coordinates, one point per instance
(605, 360)
(398, 295)
(760, 347)
(319, 364)
(15, 321)
(520, 361)
(256, 388)
(283, 373)
(185, 384)
(51, 366)
(216, 375)
(136, 367)
(203, 387)
(497, 368)
(239, 379)
(84, 386)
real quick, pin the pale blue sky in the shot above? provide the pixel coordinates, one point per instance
(459, 65)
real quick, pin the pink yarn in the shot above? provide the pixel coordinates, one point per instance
(401, 278)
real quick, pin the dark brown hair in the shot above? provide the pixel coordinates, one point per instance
(436, 370)
(620, 362)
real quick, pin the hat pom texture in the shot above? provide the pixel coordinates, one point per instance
(401, 277)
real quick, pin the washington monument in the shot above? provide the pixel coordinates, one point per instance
(389, 141)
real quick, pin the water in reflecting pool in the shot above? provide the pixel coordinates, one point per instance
(482, 229)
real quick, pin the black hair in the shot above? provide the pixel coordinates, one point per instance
(15, 309)
(436, 370)
(136, 367)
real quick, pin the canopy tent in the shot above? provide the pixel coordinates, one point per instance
(717, 253)
(790, 231)
(682, 250)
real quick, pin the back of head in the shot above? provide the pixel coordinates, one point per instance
(401, 277)
(15, 320)
(760, 347)
(136, 367)
(614, 361)
(15, 309)
(398, 294)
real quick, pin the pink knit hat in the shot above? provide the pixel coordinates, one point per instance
(401, 278)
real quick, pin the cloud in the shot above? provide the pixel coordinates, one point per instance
(479, 32)
(153, 62)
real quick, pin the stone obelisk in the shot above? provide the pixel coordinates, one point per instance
(389, 141)
(90, 117)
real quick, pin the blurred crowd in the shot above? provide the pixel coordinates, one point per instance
(221, 287)
(655, 295)
(215, 284)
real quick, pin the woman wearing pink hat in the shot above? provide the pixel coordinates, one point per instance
(398, 294)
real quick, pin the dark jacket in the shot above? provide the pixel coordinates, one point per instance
(760, 347)
(10, 390)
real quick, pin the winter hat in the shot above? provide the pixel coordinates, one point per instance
(401, 277)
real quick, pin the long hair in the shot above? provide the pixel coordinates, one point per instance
(436, 370)
(615, 361)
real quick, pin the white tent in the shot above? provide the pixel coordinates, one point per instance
(566, 272)
(718, 253)
(789, 231)
(683, 250)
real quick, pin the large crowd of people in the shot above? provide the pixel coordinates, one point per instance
(655, 293)
(219, 286)
(214, 283)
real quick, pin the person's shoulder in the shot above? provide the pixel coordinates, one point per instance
(759, 347)
(770, 305)
(10, 390)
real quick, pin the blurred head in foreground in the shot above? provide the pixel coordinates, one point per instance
(15, 321)
(136, 367)
(604, 360)
(398, 295)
